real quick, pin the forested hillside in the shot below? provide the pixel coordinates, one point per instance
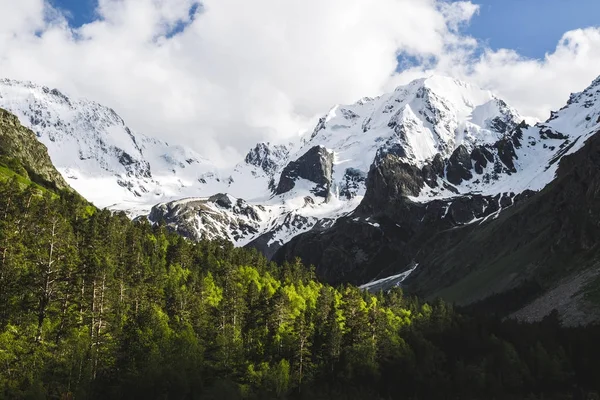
(94, 306)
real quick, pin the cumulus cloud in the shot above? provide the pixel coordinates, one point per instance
(239, 71)
(222, 75)
(534, 87)
(538, 86)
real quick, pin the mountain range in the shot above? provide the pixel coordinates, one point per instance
(439, 186)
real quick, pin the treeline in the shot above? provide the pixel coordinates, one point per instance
(94, 306)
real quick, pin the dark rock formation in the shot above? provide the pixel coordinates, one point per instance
(434, 170)
(221, 199)
(266, 157)
(466, 249)
(388, 230)
(481, 157)
(218, 216)
(459, 166)
(506, 153)
(353, 181)
(316, 165)
(391, 179)
(270, 242)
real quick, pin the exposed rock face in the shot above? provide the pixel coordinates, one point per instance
(475, 246)
(459, 166)
(506, 152)
(505, 122)
(434, 170)
(219, 216)
(481, 157)
(554, 234)
(19, 145)
(264, 228)
(353, 181)
(272, 240)
(266, 157)
(316, 166)
(465, 247)
(388, 230)
(391, 179)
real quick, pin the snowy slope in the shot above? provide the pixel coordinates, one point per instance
(428, 117)
(426, 120)
(98, 154)
(537, 150)
(434, 116)
(113, 166)
(390, 281)
(277, 219)
(417, 121)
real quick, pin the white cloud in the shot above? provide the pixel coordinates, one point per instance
(240, 72)
(534, 87)
(537, 86)
(244, 71)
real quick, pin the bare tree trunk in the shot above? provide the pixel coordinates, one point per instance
(93, 313)
(82, 299)
(41, 317)
(121, 294)
(46, 290)
(8, 204)
(64, 308)
(99, 326)
(301, 357)
(4, 254)
(92, 326)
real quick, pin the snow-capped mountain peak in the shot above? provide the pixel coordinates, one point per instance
(416, 122)
(266, 156)
(457, 138)
(97, 153)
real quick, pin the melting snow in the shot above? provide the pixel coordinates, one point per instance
(394, 280)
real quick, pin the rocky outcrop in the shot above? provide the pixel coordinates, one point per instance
(316, 166)
(353, 181)
(434, 170)
(263, 227)
(459, 166)
(389, 230)
(391, 179)
(481, 156)
(266, 157)
(220, 216)
(466, 249)
(506, 153)
(22, 152)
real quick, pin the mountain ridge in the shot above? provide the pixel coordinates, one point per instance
(114, 166)
(470, 246)
(364, 196)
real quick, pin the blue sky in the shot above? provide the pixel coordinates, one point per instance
(79, 11)
(254, 70)
(532, 27)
